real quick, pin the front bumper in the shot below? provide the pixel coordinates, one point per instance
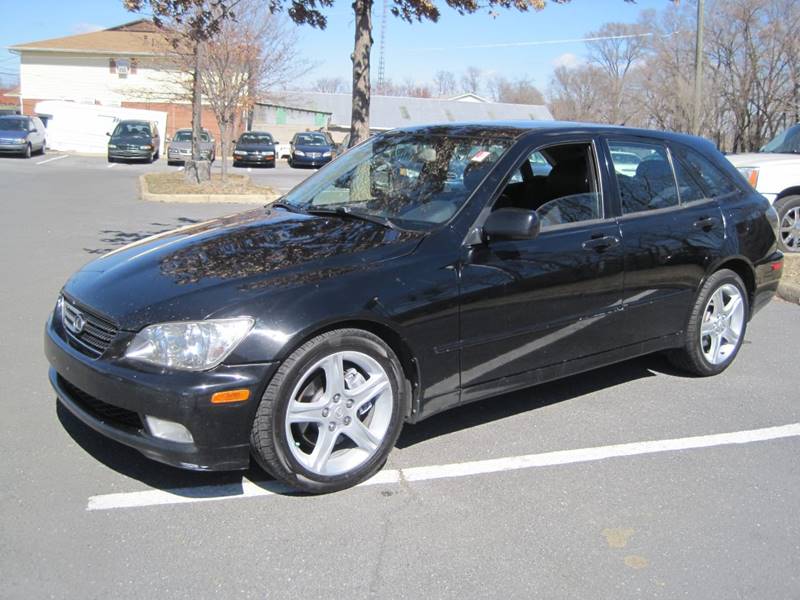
(97, 391)
(178, 157)
(130, 154)
(307, 161)
(13, 148)
(254, 158)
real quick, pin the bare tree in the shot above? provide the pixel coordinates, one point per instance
(251, 55)
(330, 85)
(471, 80)
(444, 83)
(516, 91)
(575, 95)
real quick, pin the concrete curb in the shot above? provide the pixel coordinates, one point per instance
(789, 292)
(149, 196)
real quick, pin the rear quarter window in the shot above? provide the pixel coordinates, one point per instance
(716, 182)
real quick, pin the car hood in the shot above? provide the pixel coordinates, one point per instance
(10, 133)
(756, 159)
(209, 268)
(188, 145)
(254, 147)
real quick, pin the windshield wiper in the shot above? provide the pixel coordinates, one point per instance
(346, 211)
(286, 205)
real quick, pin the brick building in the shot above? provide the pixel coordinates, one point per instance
(121, 66)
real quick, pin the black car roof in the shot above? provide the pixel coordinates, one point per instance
(516, 129)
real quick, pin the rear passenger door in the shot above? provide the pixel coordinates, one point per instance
(672, 230)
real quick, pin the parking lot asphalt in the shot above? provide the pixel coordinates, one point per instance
(508, 508)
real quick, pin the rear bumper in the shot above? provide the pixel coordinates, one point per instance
(768, 273)
(96, 391)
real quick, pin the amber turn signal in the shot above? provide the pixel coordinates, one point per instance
(230, 396)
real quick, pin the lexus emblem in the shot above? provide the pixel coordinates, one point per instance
(78, 323)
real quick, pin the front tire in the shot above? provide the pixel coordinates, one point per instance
(27, 152)
(789, 218)
(332, 413)
(716, 327)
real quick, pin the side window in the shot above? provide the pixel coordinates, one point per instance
(688, 187)
(644, 176)
(558, 182)
(714, 179)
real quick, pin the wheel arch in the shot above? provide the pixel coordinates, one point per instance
(385, 332)
(744, 269)
(792, 191)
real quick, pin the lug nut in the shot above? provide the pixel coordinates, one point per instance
(347, 420)
(336, 397)
(325, 412)
(332, 427)
(350, 403)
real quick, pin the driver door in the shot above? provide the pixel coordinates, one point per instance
(529, 304)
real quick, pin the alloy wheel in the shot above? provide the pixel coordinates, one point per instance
(790, 229)
(339, 413)
(722, 325)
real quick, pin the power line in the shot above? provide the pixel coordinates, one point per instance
(545, 42)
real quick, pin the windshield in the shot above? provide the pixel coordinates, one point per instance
(415, 180)
(311, 140)
(255, 138)
(186, 136)
(788, 141)
(14, 124)
(132, 129)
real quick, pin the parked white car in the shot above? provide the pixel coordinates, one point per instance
(775, 172)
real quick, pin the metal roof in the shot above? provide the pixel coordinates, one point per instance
(389, 112)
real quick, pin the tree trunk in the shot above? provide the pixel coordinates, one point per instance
(224, 134)
(196, 171)
(359, 122)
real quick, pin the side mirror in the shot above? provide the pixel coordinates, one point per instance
(277, 142)
(108, 134)
(512, 224)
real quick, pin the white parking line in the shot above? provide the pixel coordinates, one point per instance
(112, 165)
(249, 489)
(44, 162)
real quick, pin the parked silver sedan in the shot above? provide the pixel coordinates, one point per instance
(180, 147)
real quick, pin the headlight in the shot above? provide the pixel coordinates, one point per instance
(326, 154)
(239, 152)
(20, 140)
(751, 174)
(191, 345)
(145, 147)
(299, 153)
(112, 145)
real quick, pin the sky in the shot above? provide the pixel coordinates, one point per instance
(414, 51)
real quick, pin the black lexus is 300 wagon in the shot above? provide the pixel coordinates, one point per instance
(421, 270)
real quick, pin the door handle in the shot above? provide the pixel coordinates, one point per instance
(706, 223)
(601, 244)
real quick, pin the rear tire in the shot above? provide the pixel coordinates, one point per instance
(716, 327)
(332, 413)
(789, 218)
(43, 151)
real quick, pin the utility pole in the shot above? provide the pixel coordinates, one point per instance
(698, 69)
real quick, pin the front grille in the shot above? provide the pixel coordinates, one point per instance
(108, 413)
(89, 332)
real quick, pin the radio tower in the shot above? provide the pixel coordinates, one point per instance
(382, 50)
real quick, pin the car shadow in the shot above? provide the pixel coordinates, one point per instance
(532, 398)
(115, 238)
(199, 484)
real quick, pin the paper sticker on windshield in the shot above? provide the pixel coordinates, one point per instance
(480, 156)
